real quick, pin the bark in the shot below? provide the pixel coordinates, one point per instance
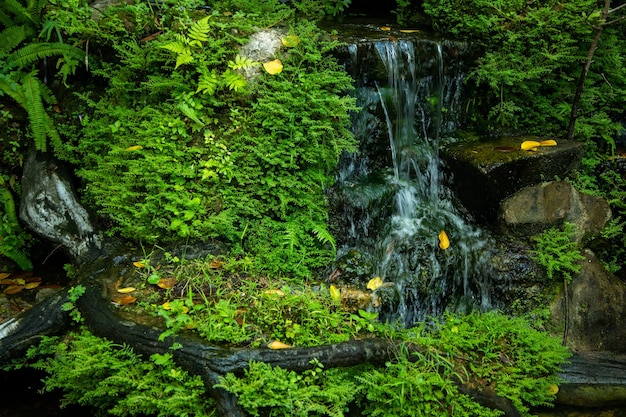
(44, 319)
(583, 75)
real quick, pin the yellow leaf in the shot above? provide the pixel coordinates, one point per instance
(385, 28)
(20, 281)
(133, 148)
(139, 264)
(409, 30)
(549, 142)
(273, 67)
(290, 41)
(530, 145)
(335, 293)
(127, 299)
(444, 242)
(553, 389)
(166, 283)
(32, 285)
(374, 283)
(278, 345)
(126, 290)
(168, 306)
(280, 293)
(4, 275)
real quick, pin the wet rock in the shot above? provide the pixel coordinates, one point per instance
(597, 309)
(261, 47)
(538, 207)
(485, 173)
(51, 209)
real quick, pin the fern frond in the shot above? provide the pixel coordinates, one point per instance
(291, 235)
(177, 47)
(207, 83)
(234, 81)
(33, 52)
(182, 59)
(20, 13)
(199, 31)
(241, 62)
(11, 37)
(18, 257)
(323, 235)
(13, 90)
(9, 207)
(40, 123)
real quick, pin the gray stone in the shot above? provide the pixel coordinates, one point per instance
(485, 173)
(597, 309)
(261, 47)
(541, 206)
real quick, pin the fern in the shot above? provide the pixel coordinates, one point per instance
(41, 124)
(234, 81)
(241, 62)
(207, 83)
(323, 235)
(11, 37)
(199, 32)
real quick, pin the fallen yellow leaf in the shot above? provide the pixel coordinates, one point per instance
(385, 28)
(126, 290)
(335, 293)
(32, 285)
(409, 30)
(290, 41)
(374, 283)
(530, 145)
(139, 264)
(278, 345)
(4, 275)
(553, 389)
(280, 293)
(134, 148)
(273, 67)
(549, 142)
(127, 299)
(166, 283)
(444, 242)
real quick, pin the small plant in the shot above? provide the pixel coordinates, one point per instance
(73, 294)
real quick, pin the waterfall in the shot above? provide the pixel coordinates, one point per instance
(392, 195)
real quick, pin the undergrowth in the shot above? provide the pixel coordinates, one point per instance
(520, 363)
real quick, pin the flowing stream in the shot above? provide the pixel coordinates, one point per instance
(393, 195)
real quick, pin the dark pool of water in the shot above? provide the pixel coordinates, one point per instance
(20, 396)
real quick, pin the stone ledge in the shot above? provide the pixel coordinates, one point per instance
(485, 173)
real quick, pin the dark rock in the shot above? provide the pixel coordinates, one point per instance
(485, 173)
(597, 309)
(538, 207)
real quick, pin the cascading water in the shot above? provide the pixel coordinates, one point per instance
(392, 194)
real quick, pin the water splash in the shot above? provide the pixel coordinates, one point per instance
(394, 198)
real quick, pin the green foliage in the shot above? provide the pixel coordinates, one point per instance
(20, 52)
(600, 176)
(519, 361)
(314, 392)
(528, 63)
(506, 353)
(12, 238)
(116, 381)
(253, 313)
(188, 150)
(73, 294)
(558, 252)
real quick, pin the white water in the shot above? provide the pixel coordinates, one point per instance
(404, 206)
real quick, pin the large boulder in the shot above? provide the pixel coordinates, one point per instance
(541, 206)
(595, 311)
(485, 173)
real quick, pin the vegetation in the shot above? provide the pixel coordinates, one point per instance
(174, 142)
(519, 362)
